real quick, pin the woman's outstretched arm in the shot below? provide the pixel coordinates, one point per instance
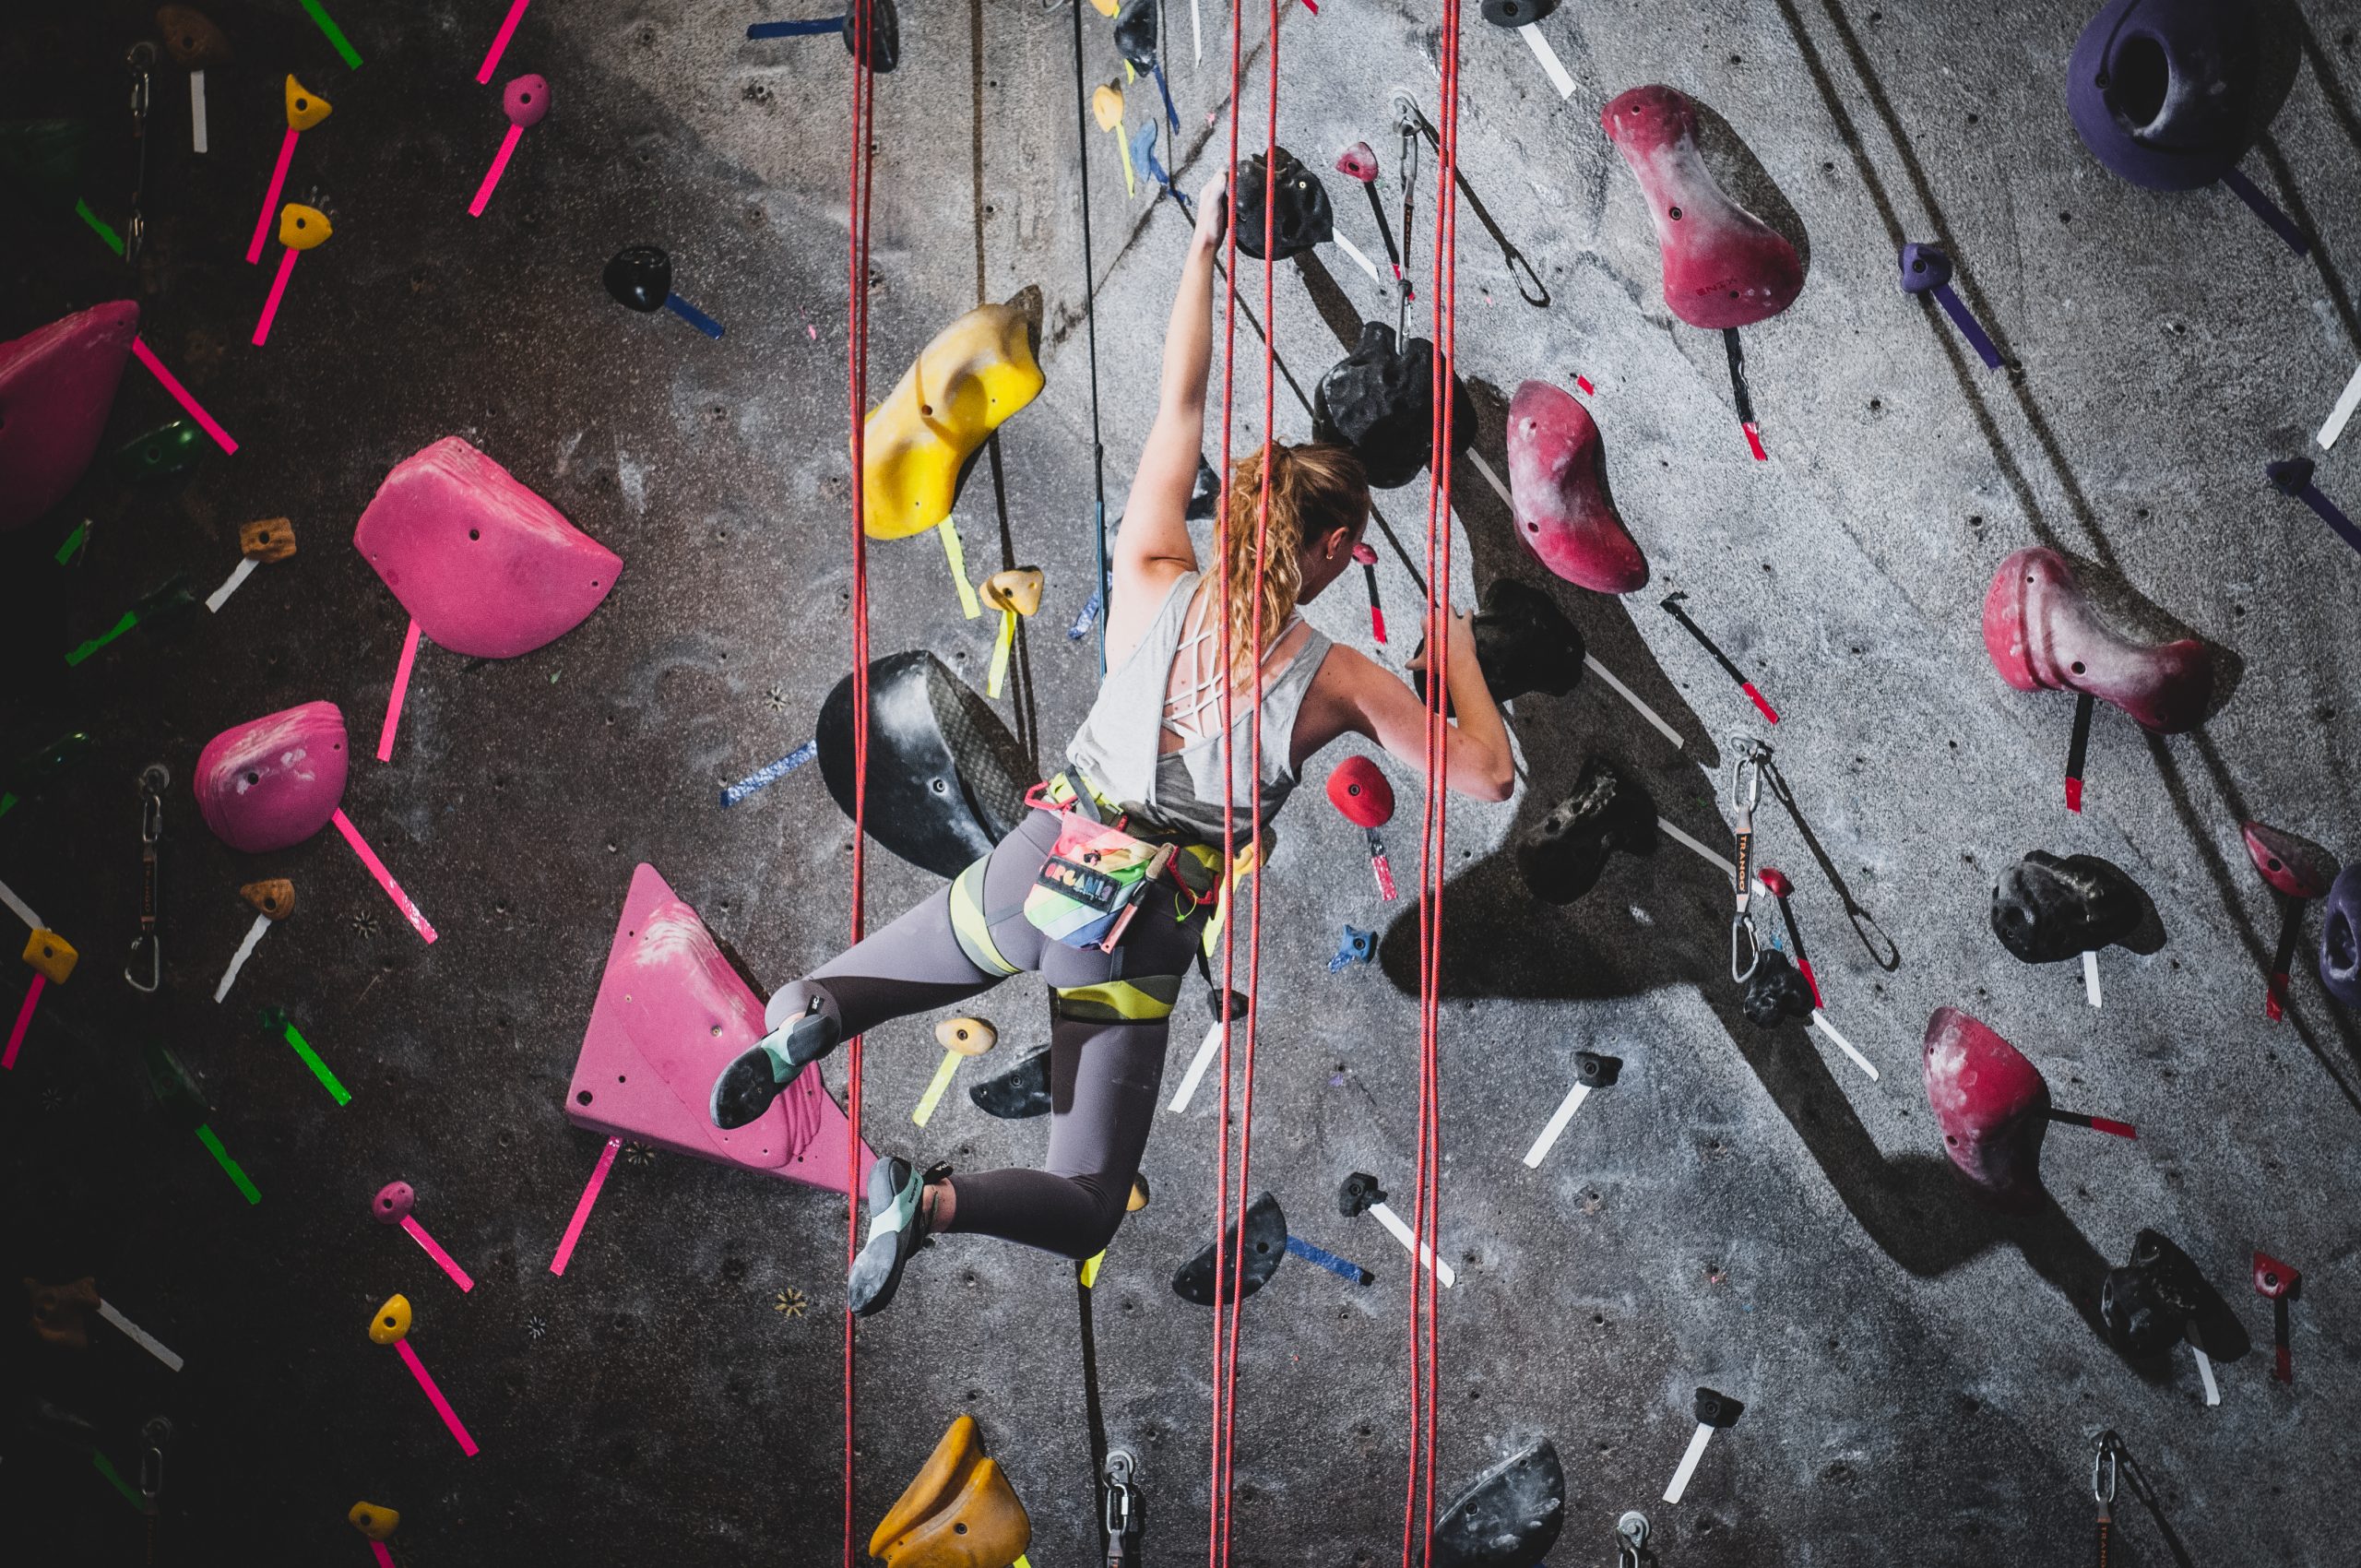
(1352, 693)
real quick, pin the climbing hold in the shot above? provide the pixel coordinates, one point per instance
(57, 384)
(957, 1511)
(1558, 485)
(1716, 1409)
(2272, 1279)
(193, 39)
(1524, 643)
(266, 540)
(274, 781)
(1265, 1244)
(1358, 946)
(2049, 909)
(45, 159)
(2294, 866)
(1016, 590)
(393, 1203)
(485, 566)
(965, 1036)
(885, 35)
(305, 108)
(392, 1323)
(524, 100)
(2041, 632)
(1357, 161)
(1135, 33)
(1299, 216)
(946, 779)
(2146, 1305)
(51, 954)
(1777, 991)
(1358, 1193)
(1507, 1517)
(638, 277)
(2170, 94)
(1379, 402)
(1924, 269)
(2341, 938)
(274, 897)
(1020, 1090)
(1562, 856)
(977, 371)
(61, 1312)
(167, 451)
(1594, 1071)
(1723, 265)
(374, 1520)
(174, 1088)
(1361, 791)
(1513, 14)
(1204, 493)
(1991, 1105)
(302, 227)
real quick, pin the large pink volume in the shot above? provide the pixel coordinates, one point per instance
(56, 386)
(485, 567)
(2042, 633)
(275, 781)
(1723, 265)
(1559, 497)
(672, 1013)
(1990, 1104)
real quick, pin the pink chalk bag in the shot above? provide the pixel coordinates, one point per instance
(1095, 875)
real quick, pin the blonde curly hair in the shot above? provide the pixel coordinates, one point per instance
(1313, 489)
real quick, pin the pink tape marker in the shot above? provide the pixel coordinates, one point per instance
(500, 39)
(524, 100)
(392, 1206)
(1754, 443)
(582, 1209)
(24, 1020)
(385, 1557)
(434, 1396)
(146, 356)
(384, 878)
(401, 689)
(270, 196)
(278, 292)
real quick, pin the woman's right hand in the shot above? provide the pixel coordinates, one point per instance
(1213, 211)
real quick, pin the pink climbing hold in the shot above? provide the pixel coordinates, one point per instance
(2042, 633)
(1723, 265)
(485, 566)
(524, 100)
(275, 781)
(2294, 866)
(1562, 515)
(1990, 1104)
(57, 385)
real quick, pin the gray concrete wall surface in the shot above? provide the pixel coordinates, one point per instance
(1745, 1209)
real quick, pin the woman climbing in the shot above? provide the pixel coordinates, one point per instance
(1148, 761)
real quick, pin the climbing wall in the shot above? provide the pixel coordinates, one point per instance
(1743, 1208)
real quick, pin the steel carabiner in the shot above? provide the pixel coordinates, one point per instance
(154, 779)
(1631, 1538)
(2105, 1461)
(1746, 791)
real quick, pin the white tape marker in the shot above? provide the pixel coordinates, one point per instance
(238, 959)
(1678, 836)
(1360, 258)
(1197, 1066)
(221, 595)
(2205, 1372)
(1688, 1462)
(1491, 478)
(1557, 1124)
(1820, 1020)
(1197, 28)
(1425, 1254)
(24, 910)
(139, 1336)
(1552, 65)
(196, 110)
(1628, 694)
(2090, 977)
(2343, 412)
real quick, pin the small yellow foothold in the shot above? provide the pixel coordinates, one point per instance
(305, 107)
(1137, 1200)
(51, 955)
(392, 1323)
(1018, 588)
(302, 227)
(1105, 8)
(374, 1520)
(965, 1036)
(1107, 107)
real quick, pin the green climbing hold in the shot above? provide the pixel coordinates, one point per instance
(165, 452)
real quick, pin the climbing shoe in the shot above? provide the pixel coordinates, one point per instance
(748, 1085)
(898, 1221)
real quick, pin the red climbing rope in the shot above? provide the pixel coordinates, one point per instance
(857, 377)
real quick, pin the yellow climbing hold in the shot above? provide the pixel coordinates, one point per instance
(965, 1036)
(305, 107)
(391, 1325)
(1016, 591)
(301, 228)
(959, 1512)
(51, 955)
(977, 371)
(374, 1520)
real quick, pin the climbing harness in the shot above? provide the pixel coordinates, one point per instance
(140, 61)
(153, 780)
(2104, 1464)
(1630, 1536)
(1124, 1519)
(1746, 788)
(1415, 124)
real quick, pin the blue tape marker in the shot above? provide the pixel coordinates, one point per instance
(1084, 621)
(2269, 211)
(766, 777)
(692, 315)
(789, 29)
(1330, 1262)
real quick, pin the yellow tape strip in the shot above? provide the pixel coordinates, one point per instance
(956, 555)
(1131, 182)
(933, 1096)
(1001, 645)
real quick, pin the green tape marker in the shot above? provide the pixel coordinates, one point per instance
(74, 543)
(343, 45)
(130, 1493)
(319, 1068)
(205, 1134)
(98, 226)
(130, 619)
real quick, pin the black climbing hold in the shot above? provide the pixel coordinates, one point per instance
(1204, 493)
(946, 779)
(885, 35)
(272, 1021)
(1301, 217)
(639, 277)
(1016, 1091)
(1265, 1243)
(1507, 1517)
(1775, 993)
(1238, 1004)
(1560, 857)
(1517, 13)
(2146, 1305)
(1135, 41)
(2047, 909)
(1524, 643)
(2291, 475)
(1716, 1409)
(1358, 1193)
(1596, 1071)
(1379, 400)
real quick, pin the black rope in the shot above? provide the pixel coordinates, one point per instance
(1090, 320)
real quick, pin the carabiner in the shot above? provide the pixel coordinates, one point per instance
(2105, 1461)
(1746, 791)
(154, 779)
(1630, 1536)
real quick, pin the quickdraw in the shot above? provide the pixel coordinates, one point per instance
(1745, 789)
(1414, 123)
(2105, 1466)
(153, 780)
(140, 61)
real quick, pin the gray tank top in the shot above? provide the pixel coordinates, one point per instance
(1120, 744)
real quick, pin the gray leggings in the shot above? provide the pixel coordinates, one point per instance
(1110, 1015)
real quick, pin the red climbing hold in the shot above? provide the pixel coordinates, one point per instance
(56, 386)
(2297, 867)
(2042, 633)
(1559, 495)
(1361, 792)
(1991, 1105)
(1723, 265)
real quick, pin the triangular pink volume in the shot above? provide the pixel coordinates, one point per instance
(57, 388)
(672, 1013)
